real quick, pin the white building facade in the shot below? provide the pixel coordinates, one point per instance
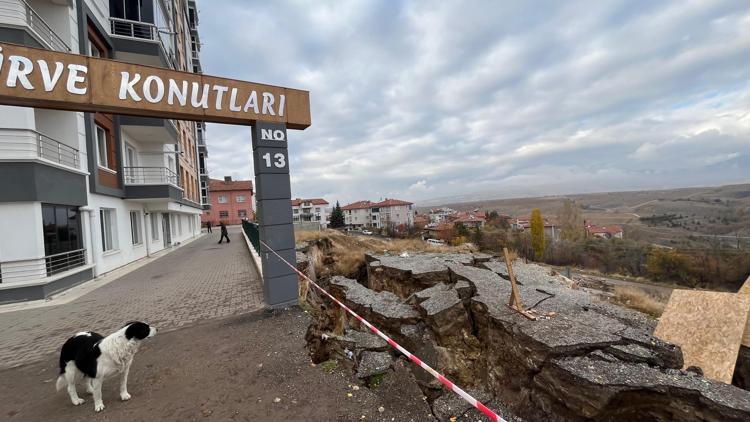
(383, 214)
(310, 210)
(82, 194)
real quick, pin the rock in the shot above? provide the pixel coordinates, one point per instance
(741, 377)
(580, 387)
(380, 308)
(367, 341)
(405, 275)
(464, 289)
(446, 316)
(374, 363)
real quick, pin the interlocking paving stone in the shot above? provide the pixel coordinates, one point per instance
(198, 281)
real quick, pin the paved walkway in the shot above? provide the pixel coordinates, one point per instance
(198, 281)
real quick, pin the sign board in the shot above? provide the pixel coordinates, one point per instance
(33, 77)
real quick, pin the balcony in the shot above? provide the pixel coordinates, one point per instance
(149, 176)
(38, 269)
(151, 129)
(27, 144)
(141, 43)
(19, 14)
(151, 183)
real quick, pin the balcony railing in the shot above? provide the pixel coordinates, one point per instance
(36, 23)
(36, 269)
(149, 176)
(65, 261)
(58, 152)
(24, 144)
(133, 29)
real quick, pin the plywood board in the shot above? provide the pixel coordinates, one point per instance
(708, 326)
(745, 290)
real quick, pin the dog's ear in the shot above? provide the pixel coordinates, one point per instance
(137, 330)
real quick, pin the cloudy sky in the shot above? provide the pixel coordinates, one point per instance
(423, 99)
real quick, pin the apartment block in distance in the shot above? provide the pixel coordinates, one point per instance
(84, 193)
(310, 210)
(391, 213)
(231, 201)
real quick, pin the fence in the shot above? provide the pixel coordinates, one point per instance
(252, 232)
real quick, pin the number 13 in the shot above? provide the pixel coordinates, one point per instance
(279, 160)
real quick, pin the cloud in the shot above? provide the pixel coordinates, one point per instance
(418, 99)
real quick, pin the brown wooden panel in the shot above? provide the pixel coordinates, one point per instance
(103, 81)
(108, 179)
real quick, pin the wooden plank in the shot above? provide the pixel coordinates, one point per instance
(745, 291)
(708, 326)
(515, 298)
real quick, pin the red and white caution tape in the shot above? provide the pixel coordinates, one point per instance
(445, 381)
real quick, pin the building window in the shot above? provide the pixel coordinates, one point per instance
(109, 229)
(222, 199)
(101, 145)
(62, 228)
(135, 227)
(154, 226)
(241, 213)
(296, 210)
(223, 214)
(240, 198)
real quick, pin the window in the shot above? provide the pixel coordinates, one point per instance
(94, 50)
(154, 226)
(241, 213)
(223, 214)
(374, 217)
(317, 209)
(240, 198)
(109, 229)
(296, 210)
(101, 145)
(61, 228)
(222, 199)
(135, 227)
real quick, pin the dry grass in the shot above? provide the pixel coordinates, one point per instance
(635, 298)
(348, 252)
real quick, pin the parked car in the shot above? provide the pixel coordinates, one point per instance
(436, 242)
(367, 232)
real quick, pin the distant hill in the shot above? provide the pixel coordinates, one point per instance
(682, 217)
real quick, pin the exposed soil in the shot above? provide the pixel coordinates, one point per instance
(230, 369)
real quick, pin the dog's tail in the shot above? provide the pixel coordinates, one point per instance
(61, 382)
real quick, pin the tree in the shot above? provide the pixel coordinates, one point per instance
(537, 233)
(337, 217)
(476, 237)
(461, 230)
(571, 222)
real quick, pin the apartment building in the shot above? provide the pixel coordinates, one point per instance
(390, 213)
(310, 210)
(84, 193)
(231, 201)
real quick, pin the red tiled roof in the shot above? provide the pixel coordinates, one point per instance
(367, 204)
(215, 185)
(391, 203)
(357, 205)
(315, 201)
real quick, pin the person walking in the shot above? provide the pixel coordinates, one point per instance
(208, 226)
(224, 232)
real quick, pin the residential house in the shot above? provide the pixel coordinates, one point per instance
(551, 231)
(605, 232)
(438, 215)
(310, 210)
(231, 201)
(384, 214)
(82, 194)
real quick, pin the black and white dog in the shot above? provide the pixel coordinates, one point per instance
(91, 357)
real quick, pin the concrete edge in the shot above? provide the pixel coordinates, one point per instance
(253, 253)
(89, 286)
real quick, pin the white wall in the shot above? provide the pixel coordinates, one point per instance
(126, 252)
(21, 231)
(62, 126)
